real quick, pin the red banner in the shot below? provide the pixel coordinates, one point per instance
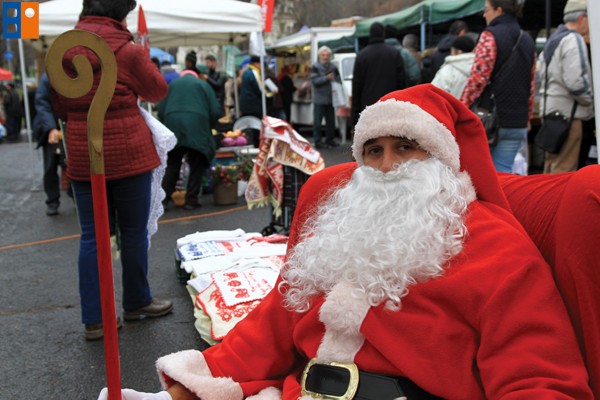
(266, 11)
(143, 36)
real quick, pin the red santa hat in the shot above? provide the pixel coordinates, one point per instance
(442, 126)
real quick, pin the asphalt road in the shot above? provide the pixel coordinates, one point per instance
(42, 349)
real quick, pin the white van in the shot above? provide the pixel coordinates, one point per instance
(345, 64)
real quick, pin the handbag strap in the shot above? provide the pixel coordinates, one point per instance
(505, 62)
(509, 56)
(573, 111)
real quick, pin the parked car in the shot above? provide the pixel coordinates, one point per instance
(345, 64)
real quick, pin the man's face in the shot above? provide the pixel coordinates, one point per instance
(384, 153)
(583, 27)
(325, 57)
(210, 63)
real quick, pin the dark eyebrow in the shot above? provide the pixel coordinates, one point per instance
(397, 138)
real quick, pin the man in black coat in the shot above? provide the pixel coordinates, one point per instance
(215, 80)
(14, 113)
(49, 138)
(378, 70)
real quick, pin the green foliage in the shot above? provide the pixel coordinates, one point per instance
(246, 165)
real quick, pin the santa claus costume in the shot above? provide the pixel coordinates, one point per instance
(446, 291)
(560, 213)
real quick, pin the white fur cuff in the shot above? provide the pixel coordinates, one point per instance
(189, 368)
(270, 393)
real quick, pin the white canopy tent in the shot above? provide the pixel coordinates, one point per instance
(170, 23)
(312, 37)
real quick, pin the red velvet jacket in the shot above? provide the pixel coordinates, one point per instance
(128, 146)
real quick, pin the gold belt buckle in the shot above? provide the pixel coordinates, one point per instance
(352, 384)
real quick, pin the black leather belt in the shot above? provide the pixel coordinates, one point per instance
(343, 381)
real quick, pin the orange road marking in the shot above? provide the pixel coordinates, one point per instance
(166, 221)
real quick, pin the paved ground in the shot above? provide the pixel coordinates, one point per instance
(43, 352)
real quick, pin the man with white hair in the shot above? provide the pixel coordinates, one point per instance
(406, 278)
(566, 88)
(322, 73)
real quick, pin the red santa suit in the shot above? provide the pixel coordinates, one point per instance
(493, 326)
(560, 214)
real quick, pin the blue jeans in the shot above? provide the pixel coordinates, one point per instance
(504, 152)
(320, 111)
(129, 198)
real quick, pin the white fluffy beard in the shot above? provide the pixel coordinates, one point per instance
(380, 234)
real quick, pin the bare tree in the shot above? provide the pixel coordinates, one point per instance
(321, 13)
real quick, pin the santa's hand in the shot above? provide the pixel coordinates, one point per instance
(130, 394)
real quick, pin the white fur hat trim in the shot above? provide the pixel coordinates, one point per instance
(403, 119)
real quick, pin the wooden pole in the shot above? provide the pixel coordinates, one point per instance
(74, 88)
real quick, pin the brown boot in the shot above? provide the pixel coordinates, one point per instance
(156, 308)
(95, 331)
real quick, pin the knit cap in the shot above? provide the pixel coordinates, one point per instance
(575, 6)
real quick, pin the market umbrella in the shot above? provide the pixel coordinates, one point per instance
(5, 75)
(75, 88)
(161, 55)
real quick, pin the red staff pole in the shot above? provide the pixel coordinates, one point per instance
(74, 88)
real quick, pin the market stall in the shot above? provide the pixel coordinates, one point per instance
(437, 15)
(229, 272)
(301, 48)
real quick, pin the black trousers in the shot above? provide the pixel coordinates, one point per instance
(13, 126)
(52, 163)
(198, 164)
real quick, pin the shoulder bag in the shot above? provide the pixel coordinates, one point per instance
(485, 106)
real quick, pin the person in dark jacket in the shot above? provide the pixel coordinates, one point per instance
(190, 110)
(129, 159)
(287, 90)
(215, 79)
(378, 70)
(508, 75)
(251, 95)
(49, 137)
(250, 92)
(14, 113)
(431, 65)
